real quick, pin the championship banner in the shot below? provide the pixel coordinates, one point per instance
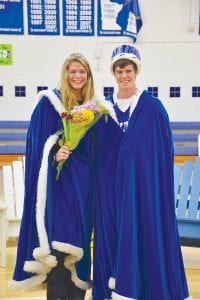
(43, 17)
(78, 17)
(11, 17)
(119, 18)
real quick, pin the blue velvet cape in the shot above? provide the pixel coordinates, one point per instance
(137, 246)
(57, 213)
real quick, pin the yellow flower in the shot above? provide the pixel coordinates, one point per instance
(84, 116)
(77, 117)
(88, 115)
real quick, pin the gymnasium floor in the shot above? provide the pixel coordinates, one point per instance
(191, 260)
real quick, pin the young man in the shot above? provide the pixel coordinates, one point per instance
(137, 253)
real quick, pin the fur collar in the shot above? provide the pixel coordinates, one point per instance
(53, 98)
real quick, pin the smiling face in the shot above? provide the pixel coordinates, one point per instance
(125, 77)
(77, 75)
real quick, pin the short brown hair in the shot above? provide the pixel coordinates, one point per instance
(122, 63)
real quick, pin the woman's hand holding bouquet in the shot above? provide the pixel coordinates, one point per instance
(75, 125)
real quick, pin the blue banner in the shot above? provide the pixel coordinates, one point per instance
(11, 17)
(78, 17)
(43, 17)
(119, 18)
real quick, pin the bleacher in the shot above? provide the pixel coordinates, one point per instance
(12, 140)
(185, 136)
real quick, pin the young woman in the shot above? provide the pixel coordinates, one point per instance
(54, 240)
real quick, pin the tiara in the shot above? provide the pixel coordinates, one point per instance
(77, 55)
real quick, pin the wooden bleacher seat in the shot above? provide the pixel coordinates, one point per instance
(13, 185)
(187, 195)
(2, 234)
(12, 206)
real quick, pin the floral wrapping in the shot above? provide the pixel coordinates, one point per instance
(75, 125)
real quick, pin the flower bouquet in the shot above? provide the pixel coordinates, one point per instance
(76, 123)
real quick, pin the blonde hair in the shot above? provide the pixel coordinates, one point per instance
(67, 95)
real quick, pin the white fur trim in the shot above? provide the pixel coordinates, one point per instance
(36, 267)
(55, 101)
(38, 252)
(70, 264)
(53, 98)
(116, 296)
(44, 261)
(68, 248)
(70, 260)
(74, 255)
(50, 260)
(27, 283)
(44, 257)
(41, 197)
(111, 283)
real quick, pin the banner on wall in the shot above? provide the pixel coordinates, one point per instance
(43, 17)
(119, 18)
(11, 17)
(78, 17)
(5, 54)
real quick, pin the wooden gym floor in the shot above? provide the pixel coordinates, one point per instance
(191, 260)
